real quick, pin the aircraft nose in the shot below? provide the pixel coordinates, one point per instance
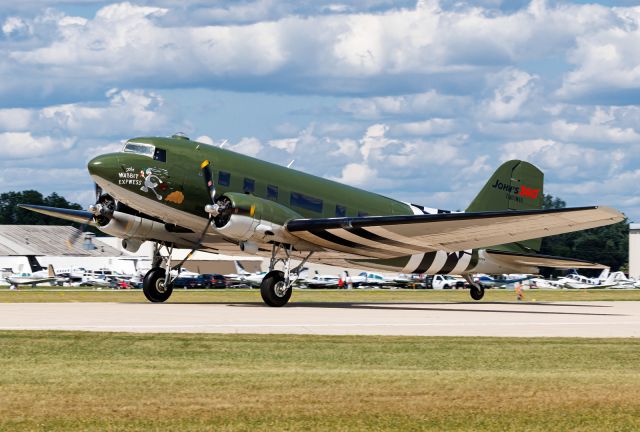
(104, 166)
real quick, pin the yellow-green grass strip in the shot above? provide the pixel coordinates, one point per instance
(97, 381)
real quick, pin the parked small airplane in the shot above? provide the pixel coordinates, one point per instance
(37, 276)
(163, 190)
(502, 280)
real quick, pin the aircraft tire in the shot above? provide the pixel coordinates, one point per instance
(153, 286)
(476, 293)
(272, 289)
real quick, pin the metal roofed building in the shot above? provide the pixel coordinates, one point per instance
(49, 243)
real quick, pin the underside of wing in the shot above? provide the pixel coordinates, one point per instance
(79, 216)
(535, 260)
(389, 236)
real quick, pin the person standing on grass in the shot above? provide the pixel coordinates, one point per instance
(519, 291)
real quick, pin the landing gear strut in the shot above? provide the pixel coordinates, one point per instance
(157, 284)
(276, 287)
(476, 290)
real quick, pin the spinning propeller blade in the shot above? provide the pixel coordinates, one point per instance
(205, 166)
(75, 235)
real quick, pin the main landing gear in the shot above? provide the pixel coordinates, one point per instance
(476, 290)
(276, 286)
(157, 284)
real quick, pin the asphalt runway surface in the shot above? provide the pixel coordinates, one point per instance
(579, 319)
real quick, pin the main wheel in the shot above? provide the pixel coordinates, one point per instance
(477, 293)
(273, 290)
(153, 286)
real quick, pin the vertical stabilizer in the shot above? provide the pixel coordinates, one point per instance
(34, 264)
(515, 185)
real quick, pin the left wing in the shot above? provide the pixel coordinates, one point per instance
(391, 236)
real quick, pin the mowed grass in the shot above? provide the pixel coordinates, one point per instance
(349, 296)
(96, 381)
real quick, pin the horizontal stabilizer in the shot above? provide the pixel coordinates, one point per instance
(79, 216)
(388, 236)
(535, 260)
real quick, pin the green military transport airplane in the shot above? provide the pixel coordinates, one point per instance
(181, 193)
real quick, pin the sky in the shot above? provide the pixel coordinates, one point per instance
(417, 100)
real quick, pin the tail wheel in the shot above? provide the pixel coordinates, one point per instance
(274, 290)
(153, 286)
(477, 293)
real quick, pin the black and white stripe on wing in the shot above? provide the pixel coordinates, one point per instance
(337, 242)
(353, 239)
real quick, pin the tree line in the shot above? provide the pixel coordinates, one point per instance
(607, 245)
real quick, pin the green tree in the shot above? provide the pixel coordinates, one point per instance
(11, 214)
(608, 245)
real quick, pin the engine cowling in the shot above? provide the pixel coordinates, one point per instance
(133, 228)
(250, 218)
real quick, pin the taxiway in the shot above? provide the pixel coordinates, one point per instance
(579, 319)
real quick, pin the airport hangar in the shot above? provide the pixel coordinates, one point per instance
(49, 244)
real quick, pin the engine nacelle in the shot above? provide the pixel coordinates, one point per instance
(131, 245)
(132, 228)
(255, 219)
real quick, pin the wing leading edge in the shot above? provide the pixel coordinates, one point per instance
(390, 236)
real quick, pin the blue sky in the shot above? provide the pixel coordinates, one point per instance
(419, 100)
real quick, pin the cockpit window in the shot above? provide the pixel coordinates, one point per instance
(139, 148)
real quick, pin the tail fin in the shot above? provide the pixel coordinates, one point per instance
(240, 268)
(515, 185)
(34, 264)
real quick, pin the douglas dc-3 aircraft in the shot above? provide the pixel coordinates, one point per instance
(181, 193)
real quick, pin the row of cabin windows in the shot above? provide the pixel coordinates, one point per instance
(296, 199)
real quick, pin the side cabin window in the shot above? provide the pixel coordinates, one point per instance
(341, 211)
(160, 155)
(224, 178)
(272, 192)
(306, 202)
(249, 185)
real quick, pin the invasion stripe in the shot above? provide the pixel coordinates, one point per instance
(474, 260)
(426, 262)
(438, 263)
(361, 232)
(463, 262)
(325, 235)
(413, 263)
(450, 264)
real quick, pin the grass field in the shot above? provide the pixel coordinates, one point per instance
(246, 295)
(97, 381)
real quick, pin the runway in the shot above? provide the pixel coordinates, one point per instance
(580, 319)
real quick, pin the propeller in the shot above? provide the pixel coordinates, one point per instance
(95, 212)
(214, 209)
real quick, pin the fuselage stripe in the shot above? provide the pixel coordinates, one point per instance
(426, 262)
(474, 260)
(450, 264)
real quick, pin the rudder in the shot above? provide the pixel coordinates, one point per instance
(515, 185)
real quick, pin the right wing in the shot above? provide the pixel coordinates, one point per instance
(391, 236)
(537, 260)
